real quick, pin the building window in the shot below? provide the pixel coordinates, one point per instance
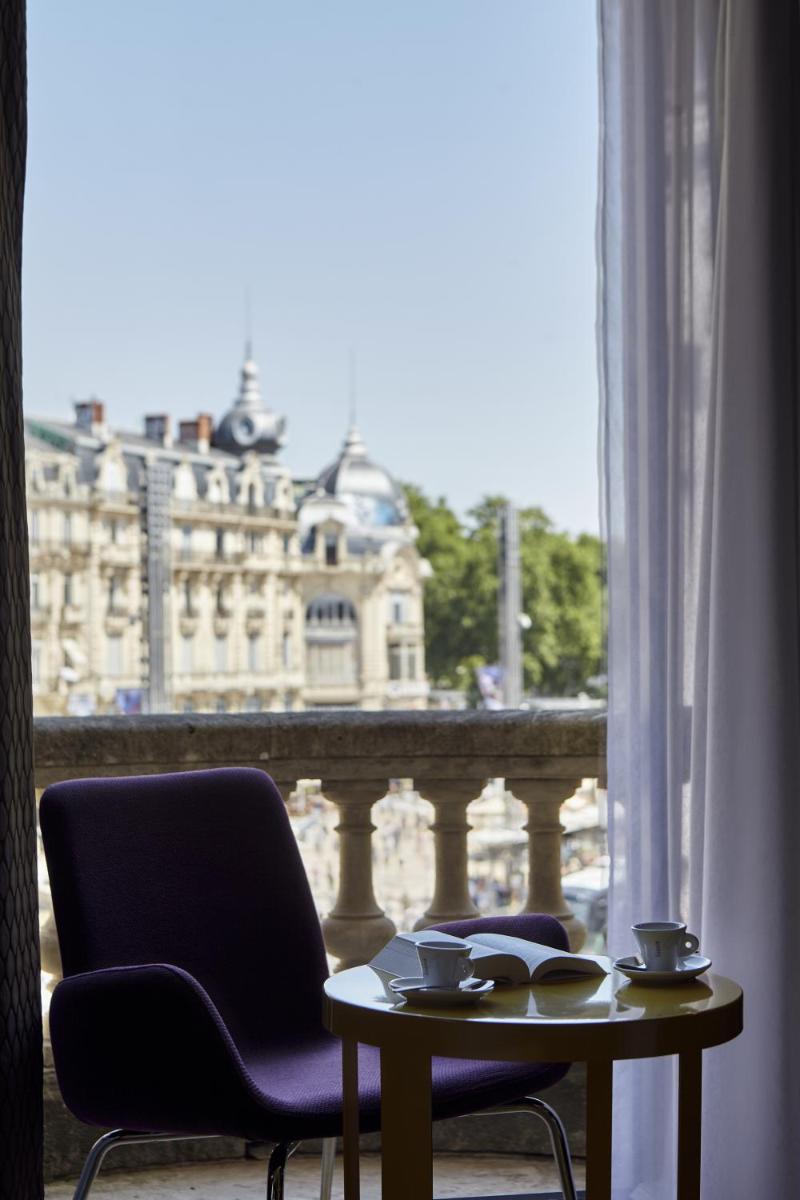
(286, 651)
(222, 606)
(68, 593)
(34, 526)
(253, 652)
(220, 653)
(221, 705)
(187, 654)
(113, 531)
(398, 608)
(252, 704)
(113, 593)
(114, 655)
(220, 543)
(36, 593)
(402, 661)
(188, 606)
(287, 543)
(67, 527)
(186, 542)
(395, 661)
(331, 550)
(255, 542)
(36, 662)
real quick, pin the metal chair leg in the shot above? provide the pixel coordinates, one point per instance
(555, 1128)
(558, 1140)
(120, 1137)
(276, 1170)
(326, 1175)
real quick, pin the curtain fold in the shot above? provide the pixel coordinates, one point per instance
(698, 346)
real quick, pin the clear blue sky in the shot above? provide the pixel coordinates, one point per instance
(413, 178)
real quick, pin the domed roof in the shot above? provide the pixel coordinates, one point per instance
(374, 496)
(250, 425)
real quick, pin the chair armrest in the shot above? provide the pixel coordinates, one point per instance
(144, 1048)
(533, 927)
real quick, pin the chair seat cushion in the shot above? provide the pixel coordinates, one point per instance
(301, 1087)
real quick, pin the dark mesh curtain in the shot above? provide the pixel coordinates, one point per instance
(20, 1013)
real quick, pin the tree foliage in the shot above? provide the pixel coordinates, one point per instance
(562, 594)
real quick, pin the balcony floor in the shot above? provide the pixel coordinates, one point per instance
(454, 1175)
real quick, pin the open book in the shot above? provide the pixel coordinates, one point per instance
(494, 956)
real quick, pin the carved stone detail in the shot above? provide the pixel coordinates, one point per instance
(356, 927)
(543, 799)
(450, 799)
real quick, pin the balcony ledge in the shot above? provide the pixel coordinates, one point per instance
(336, 745)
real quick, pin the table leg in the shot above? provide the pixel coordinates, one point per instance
(406, 1136)
(599, 1095)
(690, 1105)
(350, 1119)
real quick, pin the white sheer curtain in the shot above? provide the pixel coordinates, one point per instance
(698, 337)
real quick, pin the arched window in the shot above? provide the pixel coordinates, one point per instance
(331, 642)
(331, 612)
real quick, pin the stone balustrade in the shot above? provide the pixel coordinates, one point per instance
(542, 756)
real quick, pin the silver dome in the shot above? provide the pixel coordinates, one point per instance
(370, 490)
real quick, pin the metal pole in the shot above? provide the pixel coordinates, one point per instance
(509, 606)
(156, 580)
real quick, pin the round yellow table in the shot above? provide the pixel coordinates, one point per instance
(588, 1020)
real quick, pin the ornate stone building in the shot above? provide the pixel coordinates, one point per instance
(187, 571)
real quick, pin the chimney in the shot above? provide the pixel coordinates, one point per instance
(197, 433)
(156, 429)
(90, 416)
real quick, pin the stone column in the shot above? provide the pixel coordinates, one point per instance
(20, 1004)
(543, 799)
(450, 799)
(357, 927)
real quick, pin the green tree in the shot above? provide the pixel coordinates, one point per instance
(562, 588)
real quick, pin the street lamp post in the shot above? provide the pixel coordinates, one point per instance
(509, 606)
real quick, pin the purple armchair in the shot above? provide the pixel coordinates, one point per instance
(193, 970)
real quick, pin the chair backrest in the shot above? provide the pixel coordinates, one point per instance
(198, 869)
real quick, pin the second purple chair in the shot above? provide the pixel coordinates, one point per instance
(193, 971)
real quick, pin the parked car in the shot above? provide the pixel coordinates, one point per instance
(586, 892)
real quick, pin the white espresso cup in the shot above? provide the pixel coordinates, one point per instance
(662, 944)
(444, 964)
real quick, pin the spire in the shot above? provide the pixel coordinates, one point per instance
(353, 388)
(354, 444)
(248, 325)
(249, 391)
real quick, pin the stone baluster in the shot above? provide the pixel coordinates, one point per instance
(356, 927)
(450, 799)
(543, 799)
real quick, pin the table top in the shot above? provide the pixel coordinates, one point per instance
(588, 1018)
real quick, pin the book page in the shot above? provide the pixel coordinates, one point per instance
(541, 961)
(531, 953)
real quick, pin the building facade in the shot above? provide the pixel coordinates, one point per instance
(189, 572)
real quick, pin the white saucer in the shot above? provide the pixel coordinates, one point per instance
(416, 991)
(688, 968)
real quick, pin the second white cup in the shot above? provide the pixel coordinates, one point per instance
(444, 964)
(662, 944)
